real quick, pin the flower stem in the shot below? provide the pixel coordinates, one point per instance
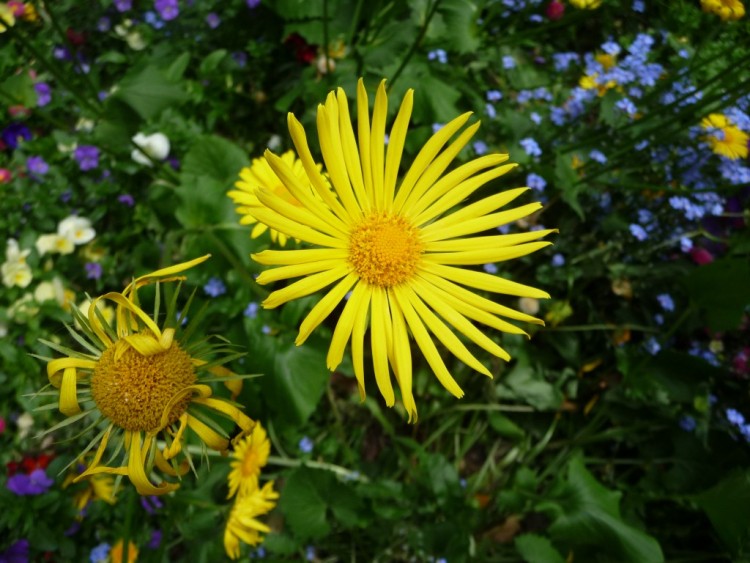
(431, 11)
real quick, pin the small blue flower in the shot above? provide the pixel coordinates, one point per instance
(611, 48)
(639, 6)
(509, 62)
(686, 244)
(687, 423)
(265, 329)
(735, 417)
(652, 346)
(598, 156)
(439, 55)
(535, 117)
(437, 127)
(480, 147)
(490, 268)
(558, 260)
(638, 232)
(640, 145)
(536, 182)
(309, 553)
(627, 106)
(494, 95)
(659, 319)
(306, 445)
(215, 287)
(251, 311)
(100, 554)
(531, 147)
(489, 109)
(666, 302)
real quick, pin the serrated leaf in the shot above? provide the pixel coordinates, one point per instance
(460, 17)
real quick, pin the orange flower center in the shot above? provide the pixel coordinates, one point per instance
(385, 250)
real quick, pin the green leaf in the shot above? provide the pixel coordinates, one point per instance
(722, 290)
(440, 97)
(505, 426)
(460, 18)
(212, 61)
(303, 504)
(591, 518)
(537, 549)
(528, 384)
(20, 88)
(177, 68)
(149, 92)
(202, 202)
(216, 157)
(567, 180)
(728, 507)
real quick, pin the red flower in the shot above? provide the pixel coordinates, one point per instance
(555, 10)
(75, 38)
(303, 51)
(701, 256)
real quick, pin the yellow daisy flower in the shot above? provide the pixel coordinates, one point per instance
(142, 386)
(260, 175)
(727, 10)
(586, 4)
(243, 524)
(7, 19)
(397, 251)
(250, 455)
(724, 137)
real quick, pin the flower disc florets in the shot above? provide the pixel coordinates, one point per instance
(133, 390)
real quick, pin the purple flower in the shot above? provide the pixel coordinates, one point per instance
(213, 20)
(103, 24)
(36, 483)
(155, 540)
(36, 165)
(598, 156)
(14, 133)
(126, 199)
(43, 94)
(252, 4)
(93, 270)
(306, 445)
(240, 58)
(18, 552)
(123, 5)
(87, 157)
(62, 53)
(168, 9)
(215, 287)
(151, 504)
(509, 62)
(251, 311)
(652, 346)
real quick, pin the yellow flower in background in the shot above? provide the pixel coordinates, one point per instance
(261, 175)
(725, 138)
(398, 251)
(142, 386)
(586, 4)
(243, 525)
(727, 10)
(250, 455)
(7, 19)
(116, 554)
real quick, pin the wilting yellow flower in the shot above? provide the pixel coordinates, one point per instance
(250, 455)
(243, 525)
(116, 553)
(586, 4)
(725, 9)
(141, 386)
(724, 137)
(397, 251)
(260, 175)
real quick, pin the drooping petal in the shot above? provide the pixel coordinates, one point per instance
(380, 316)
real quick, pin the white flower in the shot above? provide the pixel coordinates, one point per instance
(13, 253)
(24, 423)
(50, 291)
(84, 124)
(54, 243)
(156, 146)
(16, 273)
(23, 308)
(135, 41)
(274, 143)
(76, 229)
